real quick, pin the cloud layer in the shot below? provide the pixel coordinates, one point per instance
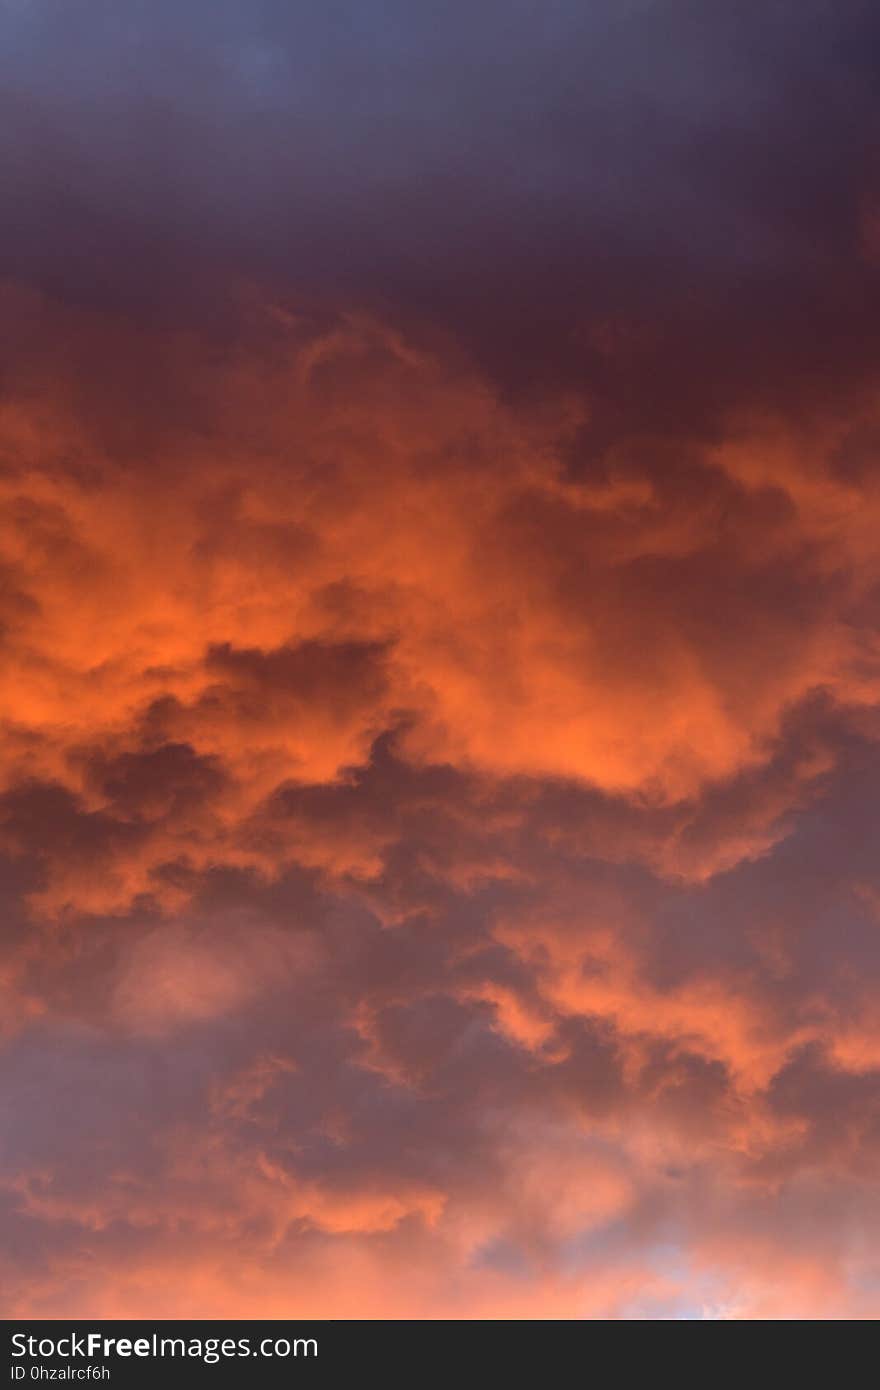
(439, 664)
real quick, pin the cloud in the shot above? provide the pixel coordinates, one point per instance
(439, 662)
(399, 553)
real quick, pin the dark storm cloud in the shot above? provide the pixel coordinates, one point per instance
(575, 189)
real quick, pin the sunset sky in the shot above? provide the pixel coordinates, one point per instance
(440, 658)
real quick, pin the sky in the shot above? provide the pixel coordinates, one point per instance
(440, 659)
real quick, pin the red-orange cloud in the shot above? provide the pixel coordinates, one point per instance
(423, 850)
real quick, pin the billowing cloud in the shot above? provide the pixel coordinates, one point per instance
(438, 733)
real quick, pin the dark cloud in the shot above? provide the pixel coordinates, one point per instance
(552, 182)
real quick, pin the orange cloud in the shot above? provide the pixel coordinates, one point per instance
(408, 833)
(394, 549)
